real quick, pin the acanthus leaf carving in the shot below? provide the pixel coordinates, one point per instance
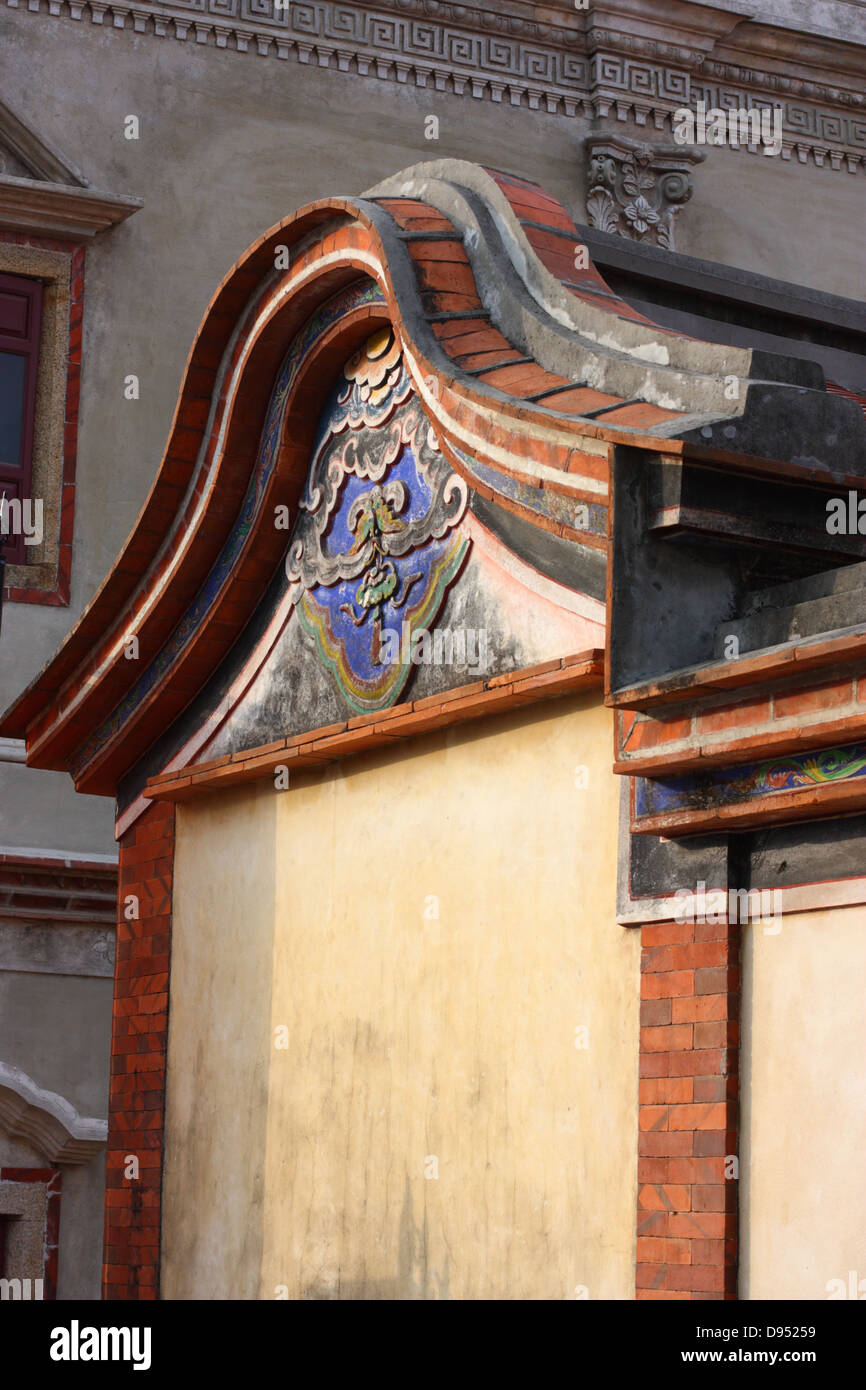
(636, 189)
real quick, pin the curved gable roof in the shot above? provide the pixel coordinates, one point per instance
(529, 368)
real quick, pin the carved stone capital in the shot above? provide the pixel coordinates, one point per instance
(636, 190)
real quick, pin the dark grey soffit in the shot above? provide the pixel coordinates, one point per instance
(724, 304)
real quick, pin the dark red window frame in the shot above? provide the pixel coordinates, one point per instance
(16, 475)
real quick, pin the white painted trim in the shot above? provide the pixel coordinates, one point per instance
(13, 750)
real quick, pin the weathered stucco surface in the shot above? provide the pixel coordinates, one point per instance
(416, 1043)
(802, 1195)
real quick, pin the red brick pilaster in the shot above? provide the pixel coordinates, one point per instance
(687, 1206)
(138, 1057)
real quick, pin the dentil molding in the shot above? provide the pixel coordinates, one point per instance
(630, 61)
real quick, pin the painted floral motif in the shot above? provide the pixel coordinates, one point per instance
(375, 547)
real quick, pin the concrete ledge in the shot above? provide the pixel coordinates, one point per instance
(54, 209)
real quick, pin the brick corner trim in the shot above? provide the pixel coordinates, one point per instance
(687, 1219)
(138, 1057)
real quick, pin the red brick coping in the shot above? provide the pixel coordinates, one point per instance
(550, 679)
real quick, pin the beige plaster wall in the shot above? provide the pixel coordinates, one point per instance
(803, 1124)
(431, 1130)
(219, 1047)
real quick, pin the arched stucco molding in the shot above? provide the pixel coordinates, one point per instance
(46, 1120)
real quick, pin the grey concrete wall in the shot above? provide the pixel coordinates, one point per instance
(56, 1028)
(79, 1263)
(39, 808)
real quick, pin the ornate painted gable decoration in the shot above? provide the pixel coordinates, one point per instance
(375, 547)
(538, 381)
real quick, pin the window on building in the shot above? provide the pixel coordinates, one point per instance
(20, 316)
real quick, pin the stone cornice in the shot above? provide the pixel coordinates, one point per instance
(60, 210)
(617, 61)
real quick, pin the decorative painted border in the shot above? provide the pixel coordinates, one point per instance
(726, 786)
(500, 57)
(776, 791)
(636, 908)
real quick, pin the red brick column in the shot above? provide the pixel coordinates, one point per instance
(687, 1206)
(138, 1048)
